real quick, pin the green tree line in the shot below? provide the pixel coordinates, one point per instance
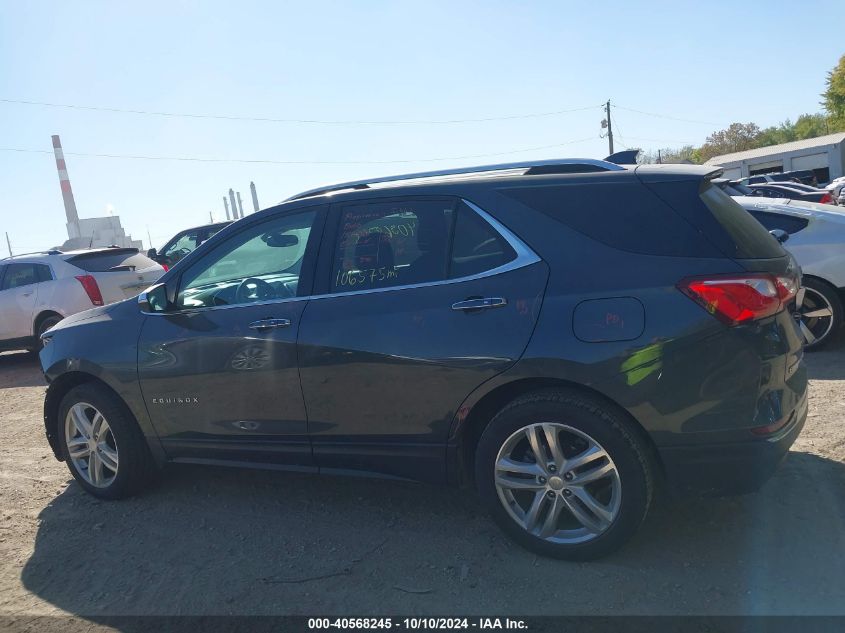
(738, 137)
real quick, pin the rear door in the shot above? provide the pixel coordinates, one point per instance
(18, 294)
(424, 299)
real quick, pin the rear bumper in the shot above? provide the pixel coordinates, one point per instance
(730, 468)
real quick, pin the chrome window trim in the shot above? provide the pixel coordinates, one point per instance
(524, 257)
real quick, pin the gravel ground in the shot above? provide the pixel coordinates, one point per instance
(227, 541)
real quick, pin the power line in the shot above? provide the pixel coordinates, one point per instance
(297, 162)
(231, 117)
(664, 116)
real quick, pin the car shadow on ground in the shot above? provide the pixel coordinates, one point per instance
(226, 541)
(20, 369)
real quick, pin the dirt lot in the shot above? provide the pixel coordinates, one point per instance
(227, 541)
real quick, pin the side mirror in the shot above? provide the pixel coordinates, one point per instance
(780, 235)
(152, 253)
(154, 299)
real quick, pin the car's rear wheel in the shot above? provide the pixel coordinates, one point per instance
(818, 312)
(102, 444)
(564, 474)
(42, 326)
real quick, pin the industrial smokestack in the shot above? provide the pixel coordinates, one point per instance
(240, 204)
(67, 192)
(226, 204)
(254, 196)
(233, 203)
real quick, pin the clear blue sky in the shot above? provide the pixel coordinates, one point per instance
(376, 60)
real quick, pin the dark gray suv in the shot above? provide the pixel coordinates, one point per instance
(562, 335)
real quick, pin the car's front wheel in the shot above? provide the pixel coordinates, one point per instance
(564, 474)
(102, 444)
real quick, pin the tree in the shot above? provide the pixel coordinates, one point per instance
(736, 138)
(834, 96)
(811, 126)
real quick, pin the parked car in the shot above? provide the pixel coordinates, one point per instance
(836, 188)
(732, 187)
(40, 289)
(800, 186)
(817, 240)
(805, 176)
(183, 243)
(512, 326)
(772, 190)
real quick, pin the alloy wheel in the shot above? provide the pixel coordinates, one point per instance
(558, 483)
(814, 315)
(91, 445)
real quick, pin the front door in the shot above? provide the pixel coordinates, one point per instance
(426, 298)
(219, 371)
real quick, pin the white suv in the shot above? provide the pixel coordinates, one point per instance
(39, 290)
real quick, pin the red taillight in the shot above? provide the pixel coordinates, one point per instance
(166, 267)
(742, 298)
(826, 199)
(91, 289)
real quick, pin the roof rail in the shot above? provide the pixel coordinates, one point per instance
(531, 167)
(52, 251)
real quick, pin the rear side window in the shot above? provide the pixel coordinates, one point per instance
(18, 275)
(750, 240)
(623, 215)
(773, 221)
(392, 244)
(114, 260)
(476, 247)
(43, 272)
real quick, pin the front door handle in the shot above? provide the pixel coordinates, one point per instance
(480, 303)
(266, 324)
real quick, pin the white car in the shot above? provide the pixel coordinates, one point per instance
(39, 290)
(817, 240)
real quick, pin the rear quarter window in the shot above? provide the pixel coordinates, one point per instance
(111, 261)
(626, 216)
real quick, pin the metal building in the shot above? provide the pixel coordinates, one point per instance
(825, 155)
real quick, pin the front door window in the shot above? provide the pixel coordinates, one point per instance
(262, 263)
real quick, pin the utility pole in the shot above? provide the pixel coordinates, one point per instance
(609, 129)
(211, 217)
(659, 158)
(150, 239)
(8, 243)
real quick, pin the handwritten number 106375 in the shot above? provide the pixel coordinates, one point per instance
(353, 278)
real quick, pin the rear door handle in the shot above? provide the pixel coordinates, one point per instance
(266, 324)
(480, 303)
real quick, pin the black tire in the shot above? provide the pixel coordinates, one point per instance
(135, 468)
(609, 428)
(830, 294)
(40, 327)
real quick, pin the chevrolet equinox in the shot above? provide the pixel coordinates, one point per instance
(563, 335)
